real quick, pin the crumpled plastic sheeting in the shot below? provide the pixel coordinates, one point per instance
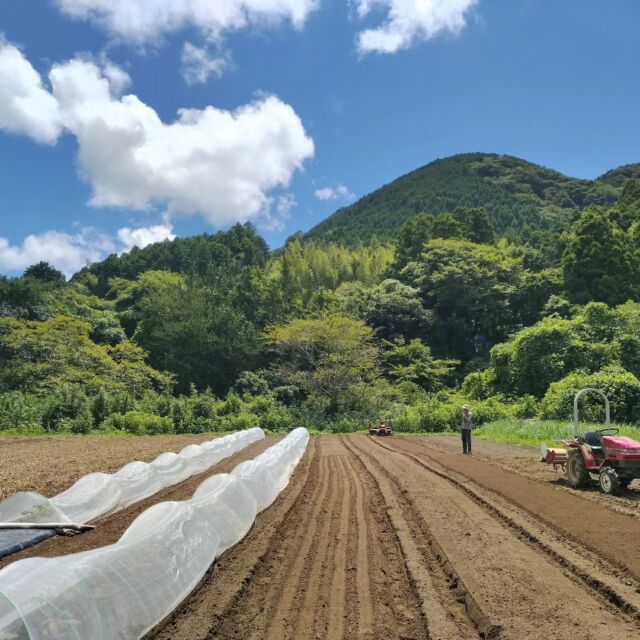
(98, 494)
(125, 589)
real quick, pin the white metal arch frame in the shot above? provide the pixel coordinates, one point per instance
(607, 421)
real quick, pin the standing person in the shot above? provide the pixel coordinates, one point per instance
(465, 428)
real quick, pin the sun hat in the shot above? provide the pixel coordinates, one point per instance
(465, 406)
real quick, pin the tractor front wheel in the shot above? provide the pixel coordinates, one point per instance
(577, 475)
(609, 482)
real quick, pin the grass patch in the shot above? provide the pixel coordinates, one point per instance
(534, 432)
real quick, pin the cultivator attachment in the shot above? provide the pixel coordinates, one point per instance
(554, 455)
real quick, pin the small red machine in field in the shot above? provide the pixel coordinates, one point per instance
(615, 460)
(381, 430)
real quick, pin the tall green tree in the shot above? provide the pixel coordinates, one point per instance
(469, 288)
(44, 272)
(333, 360)
(599, 263)
(195, 334)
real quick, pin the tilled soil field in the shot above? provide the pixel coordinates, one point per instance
(405, 538)
(51, 465)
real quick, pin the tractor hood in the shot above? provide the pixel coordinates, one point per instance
(621, 444)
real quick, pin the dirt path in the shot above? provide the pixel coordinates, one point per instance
(109, 529)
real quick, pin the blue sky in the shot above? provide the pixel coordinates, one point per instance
(315, 103)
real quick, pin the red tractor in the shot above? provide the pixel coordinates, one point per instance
(381, 430)
(615, 460)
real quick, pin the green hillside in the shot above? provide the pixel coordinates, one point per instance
(515, 193)
(617, 177)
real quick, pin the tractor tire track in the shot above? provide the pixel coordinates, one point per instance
(513, 607)
(446, 618)
(580, 523)
(525, 461)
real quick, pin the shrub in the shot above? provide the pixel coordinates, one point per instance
(67, 404)
(439, 413)
(479, 385)
(277, 418)
(251, 383)
(138, 423)
(20, 412)
(622, 388)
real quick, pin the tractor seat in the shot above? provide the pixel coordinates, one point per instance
(594, 440)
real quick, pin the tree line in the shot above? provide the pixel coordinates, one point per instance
(216, 332)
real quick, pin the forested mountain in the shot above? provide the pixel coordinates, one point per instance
(515, 193)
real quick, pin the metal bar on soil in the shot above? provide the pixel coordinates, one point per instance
(46, 525)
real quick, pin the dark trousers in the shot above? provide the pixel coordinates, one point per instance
(466, 440)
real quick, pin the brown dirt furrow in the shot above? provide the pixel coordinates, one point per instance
(336, 579)
(525, 461)
(389, 606)
(301, 577)
(602, 530)
(245, 566)
(521, 592)
(360, 550)
(445, 615)
(109, 528)
(335, 553)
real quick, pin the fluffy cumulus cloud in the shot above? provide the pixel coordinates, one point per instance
(198, 63)
(218, 163)
(142, 21)
(70, 252)
(143, 236)
(409, 21)
(67, 252)
(339, 192)
(26, 106)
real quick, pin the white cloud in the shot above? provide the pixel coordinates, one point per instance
(68, 253)
(143, 236)
(275, 215)
(71, 252)
(339, 192)
(26, 106)
(221, 164)
(411, 20)
(142, 21)
(198, 64)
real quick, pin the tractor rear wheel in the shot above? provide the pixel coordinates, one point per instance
(609, 482)
(577, 475)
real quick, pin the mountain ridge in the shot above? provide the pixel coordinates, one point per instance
(515, 192)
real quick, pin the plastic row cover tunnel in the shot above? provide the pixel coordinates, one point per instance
(97, 494)
(123, 590)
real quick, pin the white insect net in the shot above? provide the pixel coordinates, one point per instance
(123, 590)
(98, 494)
